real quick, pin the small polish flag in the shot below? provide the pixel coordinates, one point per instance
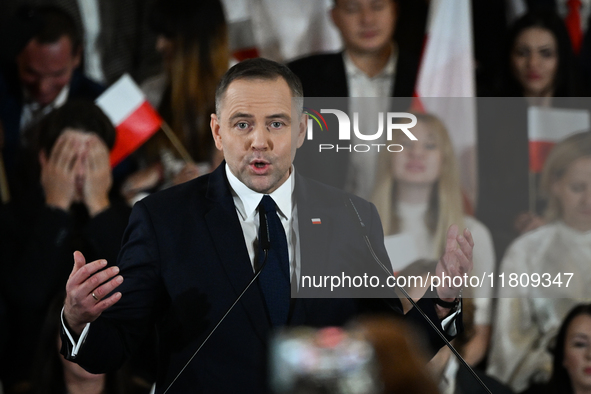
(133, 117)
(548, 126)
(316, 221)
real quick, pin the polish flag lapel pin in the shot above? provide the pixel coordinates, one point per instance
(316, 221)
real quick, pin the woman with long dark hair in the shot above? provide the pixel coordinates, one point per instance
(193, 40)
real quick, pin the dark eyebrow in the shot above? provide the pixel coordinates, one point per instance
(280, 116)
(240, 115)
(243, 115)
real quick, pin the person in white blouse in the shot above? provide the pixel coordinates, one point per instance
(526, 323)
(418, 196)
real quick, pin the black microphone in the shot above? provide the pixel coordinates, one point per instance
(265, 243)
(354, 212)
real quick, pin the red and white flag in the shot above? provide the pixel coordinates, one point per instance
(548, 126)
(446, 81)
(133, 117)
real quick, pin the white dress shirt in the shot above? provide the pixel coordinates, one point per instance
(362, 85)
(363, 165)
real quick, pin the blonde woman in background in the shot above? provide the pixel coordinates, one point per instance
(193, 41)
(528, 317)
(418, 197)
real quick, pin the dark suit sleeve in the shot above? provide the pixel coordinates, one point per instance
(413, 316)
(117, 332)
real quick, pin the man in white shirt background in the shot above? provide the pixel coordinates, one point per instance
(371, 65)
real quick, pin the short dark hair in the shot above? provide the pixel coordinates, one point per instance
(76, 114)
(258, 68)
(51, 23)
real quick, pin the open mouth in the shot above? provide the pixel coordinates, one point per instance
(259, 165)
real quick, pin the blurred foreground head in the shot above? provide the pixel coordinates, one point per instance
(374, 355)
(401, 362)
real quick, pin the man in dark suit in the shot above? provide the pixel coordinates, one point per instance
(191, 250)
(371, 65)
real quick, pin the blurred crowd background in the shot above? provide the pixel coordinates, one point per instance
(519, 176)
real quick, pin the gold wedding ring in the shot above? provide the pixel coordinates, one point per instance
(93, 296)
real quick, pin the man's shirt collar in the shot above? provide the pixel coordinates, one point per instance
(248, 199)
(59, 100)
(388, 71)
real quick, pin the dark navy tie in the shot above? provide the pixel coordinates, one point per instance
(274, 278)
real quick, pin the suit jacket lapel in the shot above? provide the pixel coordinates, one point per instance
(225, 229)
(407, 66)
(337, 77)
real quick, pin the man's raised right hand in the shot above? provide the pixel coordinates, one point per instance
(85, 289)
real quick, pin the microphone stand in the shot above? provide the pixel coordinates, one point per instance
(409, 298)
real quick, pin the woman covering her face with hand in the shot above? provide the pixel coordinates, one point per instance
(418, 196)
